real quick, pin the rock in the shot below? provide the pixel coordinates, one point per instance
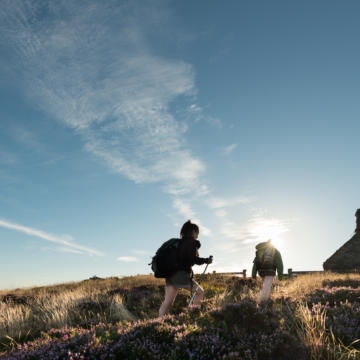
(347, 257)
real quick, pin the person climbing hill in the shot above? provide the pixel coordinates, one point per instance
(187, 256)
(267, 261)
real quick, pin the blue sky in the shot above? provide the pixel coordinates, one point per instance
(121, 120)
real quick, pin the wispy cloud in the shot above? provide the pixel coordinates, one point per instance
(197, 113)
(65, 240)
(222, 202)
(185, 209)
(91, 67)
(127, 259)
(112, 90)
(255, 230)
(229, 149)
(61, 249)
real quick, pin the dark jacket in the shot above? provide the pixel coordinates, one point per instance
(188, 254)
(278, 264)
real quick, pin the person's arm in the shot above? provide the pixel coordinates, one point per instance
(199, 260)
(279, 264)
(190, 254)
(254, 270)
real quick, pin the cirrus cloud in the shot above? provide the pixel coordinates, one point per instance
(111, 90)
(68, 245)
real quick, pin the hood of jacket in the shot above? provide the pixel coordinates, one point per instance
(263, 245)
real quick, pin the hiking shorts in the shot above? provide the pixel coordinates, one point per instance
(181, 280)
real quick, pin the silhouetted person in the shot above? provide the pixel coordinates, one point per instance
(357, 214)
(267, 261)
(188, 256)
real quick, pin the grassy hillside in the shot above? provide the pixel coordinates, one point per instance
(312, 317)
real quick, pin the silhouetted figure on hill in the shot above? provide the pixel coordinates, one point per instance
(357, 214)
(267, 261)
(187, 256)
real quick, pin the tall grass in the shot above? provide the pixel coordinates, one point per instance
(321, 343)
(82, 306)
(310, 324)
(87, 285)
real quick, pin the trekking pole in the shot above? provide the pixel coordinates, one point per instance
(198, 285)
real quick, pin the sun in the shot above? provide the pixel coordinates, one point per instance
(263, 229)
(278, 242)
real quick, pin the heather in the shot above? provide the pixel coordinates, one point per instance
(311, 317)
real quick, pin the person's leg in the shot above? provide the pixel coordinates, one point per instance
(266, 290)
(170, 295)
(199, 294)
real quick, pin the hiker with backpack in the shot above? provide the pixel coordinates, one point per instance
(175, 265)
(267, 261)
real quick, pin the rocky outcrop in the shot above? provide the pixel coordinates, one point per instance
(347, 258)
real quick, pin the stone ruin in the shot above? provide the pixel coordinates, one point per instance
(347, 257)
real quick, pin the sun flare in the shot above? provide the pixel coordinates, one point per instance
(264, 229)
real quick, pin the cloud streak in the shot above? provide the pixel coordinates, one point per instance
(185, 209)
(221, 202)
(65, 240)
(127, 259)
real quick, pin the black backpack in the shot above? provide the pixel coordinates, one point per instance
(165, 262)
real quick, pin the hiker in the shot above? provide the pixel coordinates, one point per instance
(187, 255)
(266, 262)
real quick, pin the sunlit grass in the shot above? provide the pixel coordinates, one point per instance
(303, 285)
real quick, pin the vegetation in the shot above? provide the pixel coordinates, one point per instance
(311, 317)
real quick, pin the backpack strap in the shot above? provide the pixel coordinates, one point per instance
(263, 256)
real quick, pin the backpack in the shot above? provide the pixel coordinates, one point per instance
(265, 257)
(165, 262)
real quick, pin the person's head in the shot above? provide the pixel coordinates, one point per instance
(189, 230)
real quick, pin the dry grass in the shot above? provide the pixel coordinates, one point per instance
(306, 284)
(311, 330)
(310, 325)
(43, 310)
(89, 285)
